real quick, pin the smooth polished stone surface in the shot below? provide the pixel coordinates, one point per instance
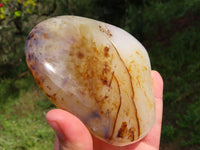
(96, 71)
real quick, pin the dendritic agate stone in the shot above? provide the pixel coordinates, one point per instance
(96, 71)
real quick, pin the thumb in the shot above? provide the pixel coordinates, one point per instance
(71, 132)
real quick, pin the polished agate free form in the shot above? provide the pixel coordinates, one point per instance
(98, 72)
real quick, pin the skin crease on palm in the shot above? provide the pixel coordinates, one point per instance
(73, 135)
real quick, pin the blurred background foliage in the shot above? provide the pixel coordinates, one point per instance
(170, 31)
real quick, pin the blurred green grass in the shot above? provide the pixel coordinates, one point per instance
(22, 118)
(169, 29)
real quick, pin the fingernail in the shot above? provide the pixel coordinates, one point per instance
(57, 129)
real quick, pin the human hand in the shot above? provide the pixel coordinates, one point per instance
(71, 133)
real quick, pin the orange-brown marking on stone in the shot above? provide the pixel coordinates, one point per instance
(106, 69)
(80, 55)
(133, 61)
(102, 112)
(54, 96)
(105, 97)
(82, 93)
(106, 51)
(148, 101)
(138, 80)
(45, 35)
(104, 80)
(71, 53)
(137, 53)
(105, 30)
(111, 79)
(145, 68)
(123, 130)
(48, 87)
(131, 134)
